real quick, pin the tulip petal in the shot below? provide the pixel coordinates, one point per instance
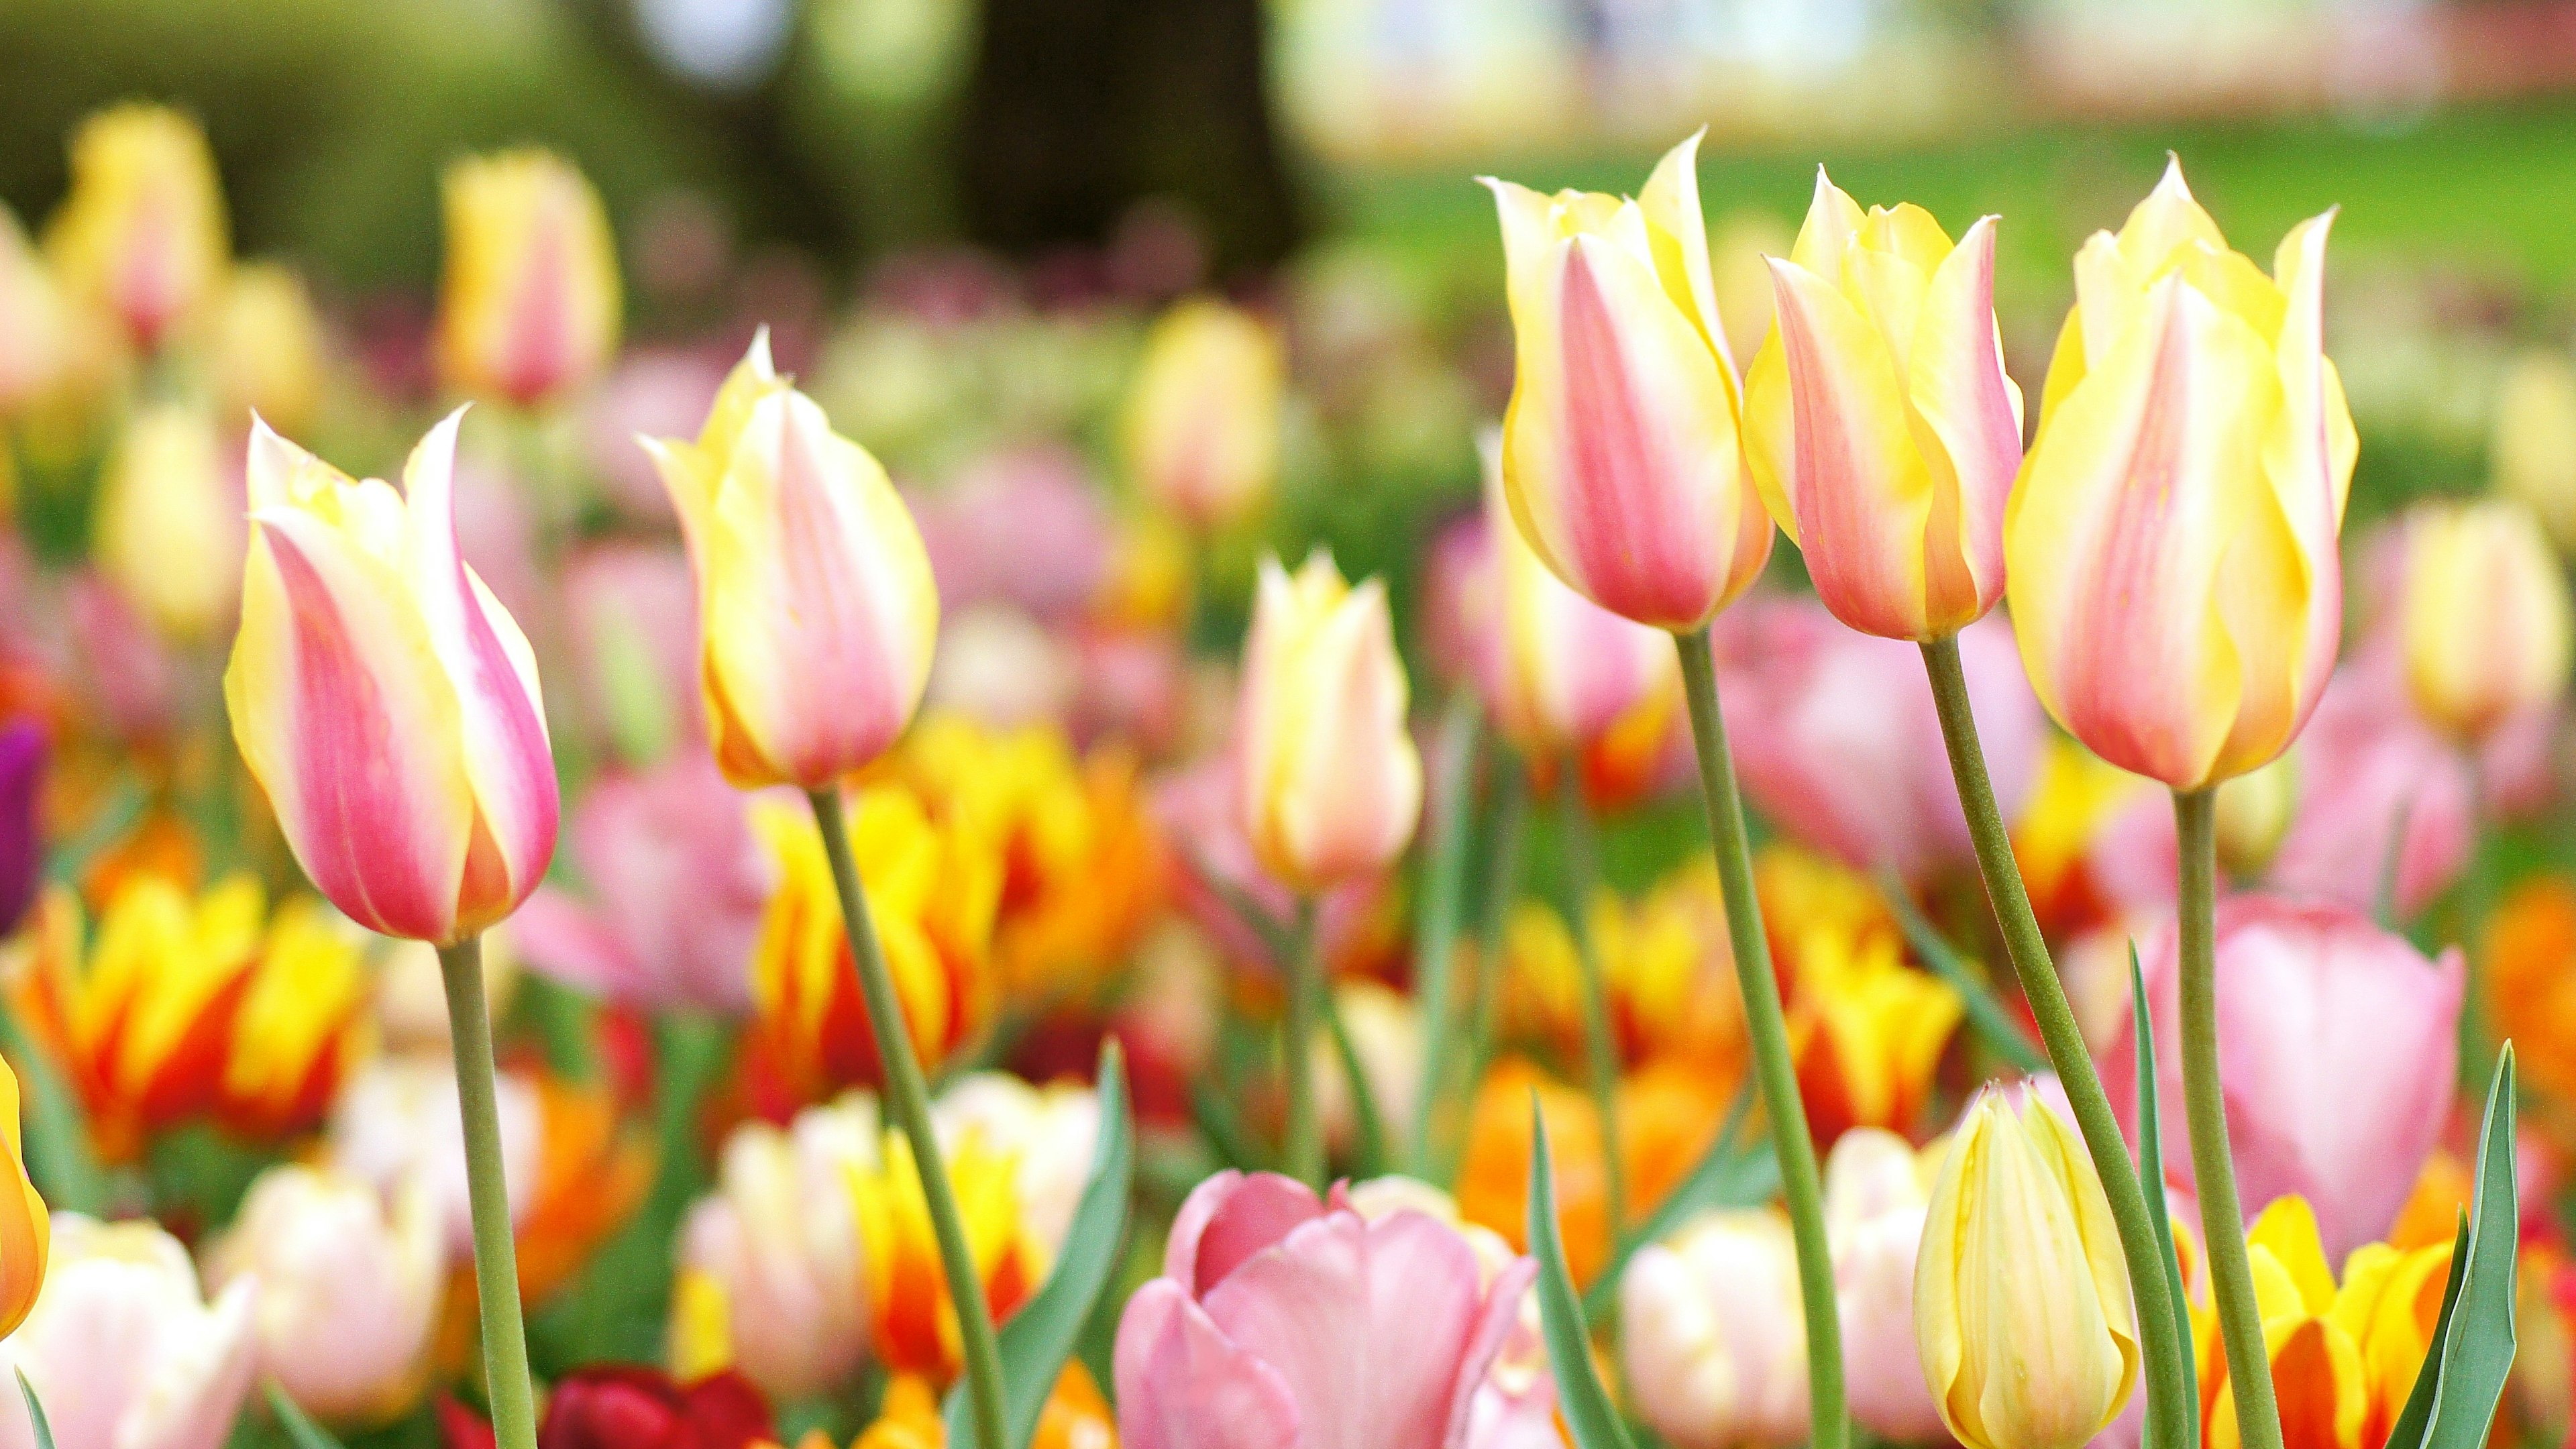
(1230, 1217)
(1956, 379)
(1502, 1318)
(1670, 203)
(1182, 1385)
(1352, 792)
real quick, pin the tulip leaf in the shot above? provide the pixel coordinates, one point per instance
(2151, 1177)
(35, 1412)
(1364, 1110)
(2454, 1398)
(1041, 1336)
(1727, 1175)
(1986, 1016)
(1580, 1398)
(299, 1425)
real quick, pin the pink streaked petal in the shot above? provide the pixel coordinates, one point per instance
(1181, 1385)
(1960, 390)
(1359, 778)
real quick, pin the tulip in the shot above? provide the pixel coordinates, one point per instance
(32, 338)
(1838, 742)
(1879, 422)
(816, 609)
(913, 1317)
(1282, 1318)
(1049, 1132)
(2021, 1305)
(1203, 413)
(528, 308)
(778, 1242)
(1711, 1339)
(395, 1122)
(1868, 1030)
(168, 525)
(677, 886)
(347, 1293)
(2484, 618)
(1330, 782)
(1876, 1190)
(1516, 1406)
(2171, 543)
(388, 705)
(2533, 446)
(1195, 809)
(620, 1406)
(123, 1350)
(2379, 789)
(22, 841)
(141, 239)
(1622, 455)
(26, 1229)
(2340, 1043)
(269, 349)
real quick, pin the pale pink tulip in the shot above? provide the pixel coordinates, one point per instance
(1876, 1190)
(1837, 741)
(1023, 527)
(1711, 1337)
(396, 1121)
(2338, 1045)
(2369, 768)
(1287, 1321)
(123, 1350)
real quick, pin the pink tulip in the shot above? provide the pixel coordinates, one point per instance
(1284, 1320)
(1876, 1191)
(1836, 738)
(1022, 527)
(2370, 767)
(1711, 1338)
(2338, 1045)
(676, 885)
(123, 1349)
(631, 610)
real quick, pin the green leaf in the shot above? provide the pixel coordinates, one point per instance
(1986, 1016)
(35, 1413)
(2475, 1350)
(299, 1425)
(2408, 1431)
(1371, 1122)
(1727, 1175)
(2151, 1176)
(1038, 1339)
(1580, 1398)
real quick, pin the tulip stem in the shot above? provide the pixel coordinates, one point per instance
(1302, 1150)
(2222, 1217)
(2170, 1405)
(1800, 1186)
(909, 1094)
(1601, 1053)
(1435, 940)
(496, 1254)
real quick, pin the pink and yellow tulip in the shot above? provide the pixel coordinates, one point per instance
(2171, 544)
(1879, 422)
(2483, 616)
(528, 309)
(141, 240)
(1203, 414)
(1622, 450)
(1710, 1334)
(179, 1366)
(385, 700)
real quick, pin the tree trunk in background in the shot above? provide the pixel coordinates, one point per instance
(1080, 109)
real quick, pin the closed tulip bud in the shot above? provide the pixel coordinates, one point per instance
(141, 238)
(816, 610)
(168, 527)
(268, 347)
(26, 1229)
(348, 1292)
(32, 336)
(528, 307)
(385, 700)
(1881, 427)
(2021, 1304)
(2533, 447)
(1330, 781)
(2171, 544)
(1622, 453)
(2484, 617)
(122, 1348)
(1203, 414)
(1711, 1337)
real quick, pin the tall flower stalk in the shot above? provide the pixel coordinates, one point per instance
(496, 1256)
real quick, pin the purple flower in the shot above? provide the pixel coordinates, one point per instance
(22, 855)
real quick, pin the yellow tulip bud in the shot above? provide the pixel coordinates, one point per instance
(2021, 1303)
(2484, 614)
(268, 348)
(1203, 414)
(528, 309)
(142, 237)
(169, 531)
(2533, 446)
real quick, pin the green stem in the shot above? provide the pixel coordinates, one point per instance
(1600, 1052)
(1302, 1152)
(2222, 1218)
(496, 1254)
(2160, 1330)
(1502, 890)
(1800, 1187)
(909, 1095)
(1435, 940)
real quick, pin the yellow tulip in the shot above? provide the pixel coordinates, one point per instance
(816, 610)
(268, 348)
(1203, 414)
(141, 239)
(32, 339)
(2533, 446)
(26, 1228)
(2171, 544)
(1881, 427)
(528, 308)
(2483, 616)
(2021, 1302)
(1331, 783)
(1622, 454)
(168, 529)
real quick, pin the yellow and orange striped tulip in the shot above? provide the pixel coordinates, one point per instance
(1622, 449)
(1203, 414)
(2484, 616)
(816, 610)
(528, 308)
(141, 239)
(2171, 546)
(1879, 422)
(26, 1228)
(385, 700)
(1331, 783)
